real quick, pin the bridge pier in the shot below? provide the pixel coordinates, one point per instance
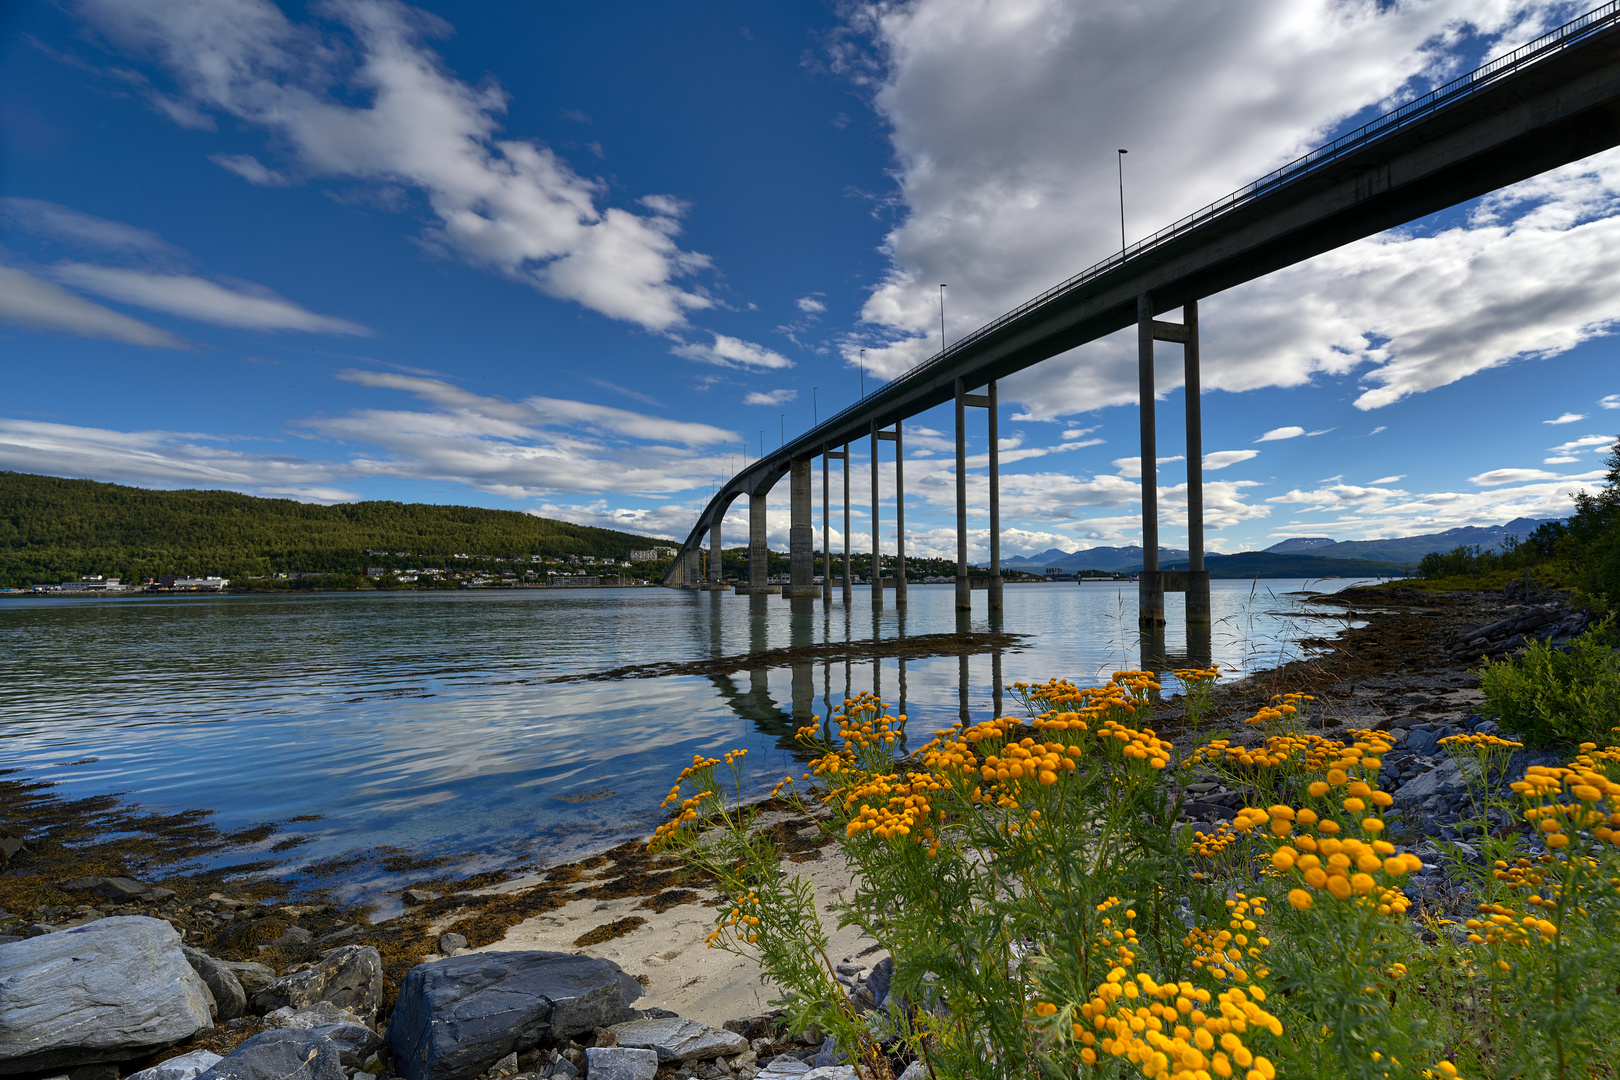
(801, 534)
(987, 401)
(758, 568)
(899, 511)
(1153, 582)
(849, 590)
(826, 533)
(690, 569)
(877, 556)
(717, 569)
(964, 593)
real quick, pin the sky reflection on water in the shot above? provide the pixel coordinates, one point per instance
(425, 720)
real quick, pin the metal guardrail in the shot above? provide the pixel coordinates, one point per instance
(1457, 89)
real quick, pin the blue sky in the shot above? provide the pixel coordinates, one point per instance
(577, 259)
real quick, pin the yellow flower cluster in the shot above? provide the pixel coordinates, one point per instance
(1194, 675)
(1594, 795)
(1221, 953)
(904, 804)
(1485, 741)
(1287, 711)
(1343, 868)
(742, 914)
(1504, 926)
(1028, 759)
(700, 769)
(1210, 845)
(688, 813)
(1168, 1031)
(1139, 744)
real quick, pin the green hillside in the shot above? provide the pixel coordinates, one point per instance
(54, 530)
(1266, 564)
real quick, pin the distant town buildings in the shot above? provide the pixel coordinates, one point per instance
(653, 554)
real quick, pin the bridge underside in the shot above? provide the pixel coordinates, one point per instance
(1541, 111)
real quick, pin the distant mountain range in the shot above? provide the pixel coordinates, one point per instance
(1299, 556)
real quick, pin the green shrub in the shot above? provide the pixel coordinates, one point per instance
(1554, 697)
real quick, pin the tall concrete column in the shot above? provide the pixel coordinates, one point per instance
(690, 569)
(877, 558)
(995, 515)
(801, 534)
(899, 517)
(758, 568)
(716, 553)
(964, 594)
(1197, 576)
(826, 532)
(848, 588)
(1150, 586)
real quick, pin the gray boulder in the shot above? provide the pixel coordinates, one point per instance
(106, 991)
(1444, 779)
(280, 1055)
(253, 975)
(354, 1040)
(350, 977)
(830, 1072)
(230, 999)
(184, 1067)
(783, 1067)
(677, 1039)
(620, 1063)
(455, 1017)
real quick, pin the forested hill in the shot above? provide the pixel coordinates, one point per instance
(55, 530)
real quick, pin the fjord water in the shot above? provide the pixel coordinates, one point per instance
(427, 720)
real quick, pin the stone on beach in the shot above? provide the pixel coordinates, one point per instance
(280, 1055)
(230, 1000)
(108, 990)
(354, 1040)
(253, 975)
(184, 1067)
(783, 1068)
(677, 1039)
(455, 1017)
(350, 977)
(620, 1063)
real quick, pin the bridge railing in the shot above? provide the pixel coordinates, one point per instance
(1446, 94)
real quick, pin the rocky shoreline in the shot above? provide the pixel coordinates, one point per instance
(507, 975)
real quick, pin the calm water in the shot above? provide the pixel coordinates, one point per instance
(425, 721)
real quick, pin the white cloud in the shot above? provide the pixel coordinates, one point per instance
(1004, 182)
(27, 301)
(810, 305)
(80, 229)
(733, 352)
(1584, 443)
(205, 301)
(1131, 467)
(1377, 429)
(773, 397)
(163, 459)
(1281, 433)
(1567, 418)
(402, 118)
(1610, 401)
(1560, 460)
(250, 169)
(1220, 459)
(1382, 480)
(1077, 432)
(1511, 476)
(1319, 431)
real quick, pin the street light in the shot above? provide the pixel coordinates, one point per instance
(1119, 156)
(863, 374)
(942, 318)
(783, 422)
(815, 410)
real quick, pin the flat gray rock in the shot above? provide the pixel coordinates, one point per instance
(109, 990)
(350, 977)
(280, 1055)
(1444, 779)
(783, 1068)
(184, 1067)
(456, 1017)
(620, 1063)
(355, 1041)
(678, 1039)
(830, 1072)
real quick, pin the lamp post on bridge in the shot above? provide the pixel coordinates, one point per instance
(942, 317)
(1119, 156)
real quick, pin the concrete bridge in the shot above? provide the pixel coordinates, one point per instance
(1550, 102)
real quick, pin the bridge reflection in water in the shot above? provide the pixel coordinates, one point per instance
(750, 698)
